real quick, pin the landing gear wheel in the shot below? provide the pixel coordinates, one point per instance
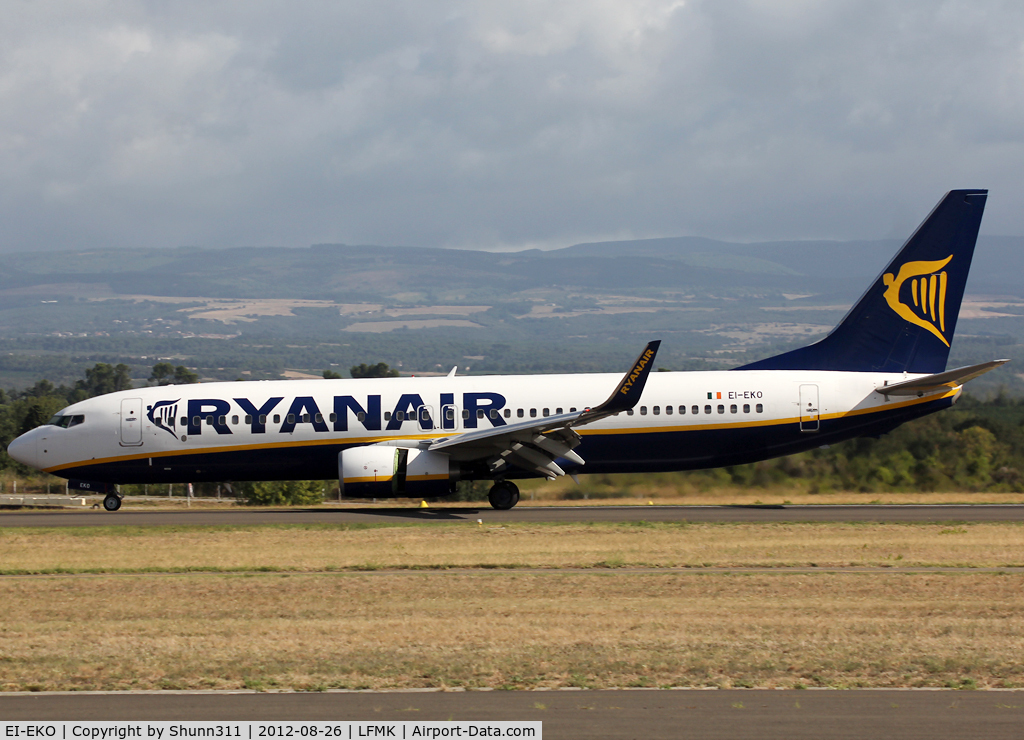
(503, 495)
(112, 502)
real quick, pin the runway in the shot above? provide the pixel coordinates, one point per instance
(540, 514)
(644, 713)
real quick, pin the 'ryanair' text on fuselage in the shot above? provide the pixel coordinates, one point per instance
(210, 414)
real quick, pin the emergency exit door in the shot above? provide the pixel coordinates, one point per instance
(131, 422)
(809, 408)
(449, 416)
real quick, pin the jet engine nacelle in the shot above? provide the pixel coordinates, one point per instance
(380, 471)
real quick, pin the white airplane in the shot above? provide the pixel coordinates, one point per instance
(884, 364)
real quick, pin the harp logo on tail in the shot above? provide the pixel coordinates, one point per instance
(918, 294)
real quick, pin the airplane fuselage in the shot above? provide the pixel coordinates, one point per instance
(294, 429)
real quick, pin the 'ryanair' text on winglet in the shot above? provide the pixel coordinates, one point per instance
(631, 387)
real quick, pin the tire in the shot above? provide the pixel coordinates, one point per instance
(503, 495)
(112, 502)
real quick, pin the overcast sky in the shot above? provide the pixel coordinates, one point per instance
(501, 124)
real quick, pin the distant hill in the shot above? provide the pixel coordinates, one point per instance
(415, 274)
(998, 262)
(259, 312)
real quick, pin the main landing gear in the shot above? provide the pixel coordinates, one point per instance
(112, 502)
(503, 495)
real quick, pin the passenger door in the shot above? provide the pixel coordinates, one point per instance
(131, 422)
(809, 408)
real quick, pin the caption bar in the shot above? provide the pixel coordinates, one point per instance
(260, 730)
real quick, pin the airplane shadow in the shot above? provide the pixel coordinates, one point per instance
(423, 515)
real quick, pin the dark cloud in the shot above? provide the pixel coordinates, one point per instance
(501, 124)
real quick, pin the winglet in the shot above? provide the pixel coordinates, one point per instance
(627, 393)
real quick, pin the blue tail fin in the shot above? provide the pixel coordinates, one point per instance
(905, 320)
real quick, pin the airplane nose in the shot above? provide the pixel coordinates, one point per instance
(23, 449)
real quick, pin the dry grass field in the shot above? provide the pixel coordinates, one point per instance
(346, 606)
(509, 630)
(298, 548)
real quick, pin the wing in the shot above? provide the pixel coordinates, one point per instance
(534, 445)
(939, 381)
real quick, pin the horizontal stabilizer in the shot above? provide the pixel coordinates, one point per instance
(939, 381)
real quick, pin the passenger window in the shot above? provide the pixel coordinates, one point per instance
(656, 410)
(558, 411)
(668, 409)
(494, 413)
(746, 408)
(721, 409)
(707, 409)
(195, 420)
(572, 410)
(332, 418)
(479, 413)
(305, 418)
(465, 413)
(222, 420)
(209, 421)
(319, 418)
(184, 421)
(682, 409)
(400, 415)
(263, 418)
(533, 413)
(248, 418)
(759, 408)
(387, 416)
(519, 413)
(277, 418)
(360, 416)
(629, 412)
(508, 413)
(643, 411)
(696, 410)
(546, 412)
(449, 414)
(733, 409)
(291, 418)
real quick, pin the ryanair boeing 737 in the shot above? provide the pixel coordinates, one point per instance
(884, 364)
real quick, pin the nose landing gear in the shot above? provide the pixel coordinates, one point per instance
(503, 495)
(112, 502)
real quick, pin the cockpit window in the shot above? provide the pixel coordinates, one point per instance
(66, 421)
